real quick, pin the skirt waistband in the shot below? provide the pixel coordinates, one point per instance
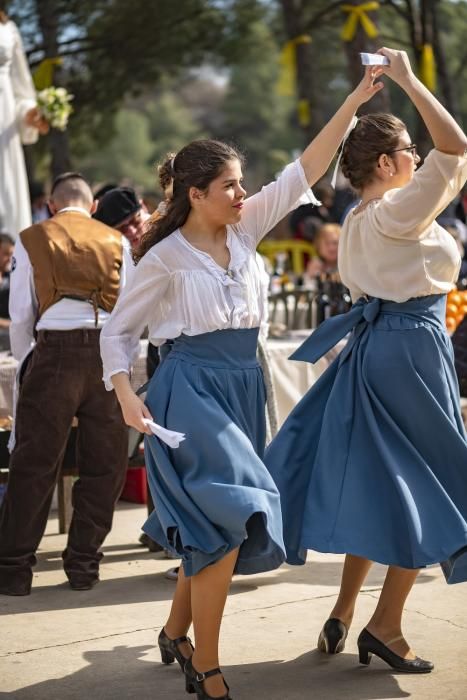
(223, 349)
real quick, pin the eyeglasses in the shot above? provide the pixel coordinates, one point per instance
(412, 148)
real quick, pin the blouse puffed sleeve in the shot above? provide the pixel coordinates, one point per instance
(407, 212)
(23, 88)
(138, 303)
(266, 208)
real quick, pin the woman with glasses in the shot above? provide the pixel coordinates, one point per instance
(373, 461)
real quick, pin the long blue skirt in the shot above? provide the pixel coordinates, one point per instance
(213, 493)
(373, 460)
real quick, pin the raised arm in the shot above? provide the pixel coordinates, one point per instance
(264, 209)
(317, 157)
(447, 135)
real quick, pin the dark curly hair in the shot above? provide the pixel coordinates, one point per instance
(196, 165)
(165, 172)
(373, 135)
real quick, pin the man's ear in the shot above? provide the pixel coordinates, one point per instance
(52, 206)
(94, 206)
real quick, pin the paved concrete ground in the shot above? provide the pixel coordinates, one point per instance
(58, 644)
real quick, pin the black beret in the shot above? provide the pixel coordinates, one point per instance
(117, 205)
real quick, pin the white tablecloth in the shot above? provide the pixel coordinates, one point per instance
(291, 379)
(8, 367)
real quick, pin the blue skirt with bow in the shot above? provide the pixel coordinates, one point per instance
(213, 493)
(373, 460)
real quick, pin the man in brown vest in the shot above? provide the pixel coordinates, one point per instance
(66, 276)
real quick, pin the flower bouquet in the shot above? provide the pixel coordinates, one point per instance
(54, 105)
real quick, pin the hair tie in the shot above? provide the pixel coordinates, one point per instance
(350, 128)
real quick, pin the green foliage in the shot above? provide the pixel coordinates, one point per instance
(125, 156)
(142, 136)
(257, 119)
(134, 68)
(453, 21)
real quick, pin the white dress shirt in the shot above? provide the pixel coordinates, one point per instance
(177, 288)
(393, 248)
(64, 315)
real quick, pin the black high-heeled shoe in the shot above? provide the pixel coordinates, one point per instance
(369, 645)
(332, 637)
(170, 651)
(194, 682)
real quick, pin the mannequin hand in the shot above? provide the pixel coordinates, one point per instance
(367, 87)
(399, 68)
(34, 118)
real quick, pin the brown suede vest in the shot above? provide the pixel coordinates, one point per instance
(76, 257)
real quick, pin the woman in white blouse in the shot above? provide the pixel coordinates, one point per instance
(379, 469)
(199, 285)
(20, 121)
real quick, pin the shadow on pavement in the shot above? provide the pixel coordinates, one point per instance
(149, 588)
(52, 561)
(122, 673)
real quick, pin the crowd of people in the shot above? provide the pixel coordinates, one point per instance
(371, 463)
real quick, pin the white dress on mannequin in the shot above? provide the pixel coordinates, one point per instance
(17, 97)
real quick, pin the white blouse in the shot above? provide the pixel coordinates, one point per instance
(394, 249)
(176, 288)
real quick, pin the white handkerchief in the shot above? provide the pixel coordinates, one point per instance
(170, 437)
(374, 59)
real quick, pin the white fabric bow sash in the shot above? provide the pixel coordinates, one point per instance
(170, 437)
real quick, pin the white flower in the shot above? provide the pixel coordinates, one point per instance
(54, 105)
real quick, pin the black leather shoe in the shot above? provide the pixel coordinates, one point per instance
(195, 680)
(15, 582)
(170, 651)
(78, 583)
(369, 645)
(332, 637)
(10, 589)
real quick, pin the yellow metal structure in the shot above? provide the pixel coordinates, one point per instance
(295, 249)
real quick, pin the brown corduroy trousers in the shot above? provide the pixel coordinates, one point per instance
(62, 380)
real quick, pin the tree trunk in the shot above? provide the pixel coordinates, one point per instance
(58, 140)
(423, 35)
(363, 43)
(30, 163)
(449, 95)
(307, 88)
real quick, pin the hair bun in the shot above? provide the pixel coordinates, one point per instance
(373, 135)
